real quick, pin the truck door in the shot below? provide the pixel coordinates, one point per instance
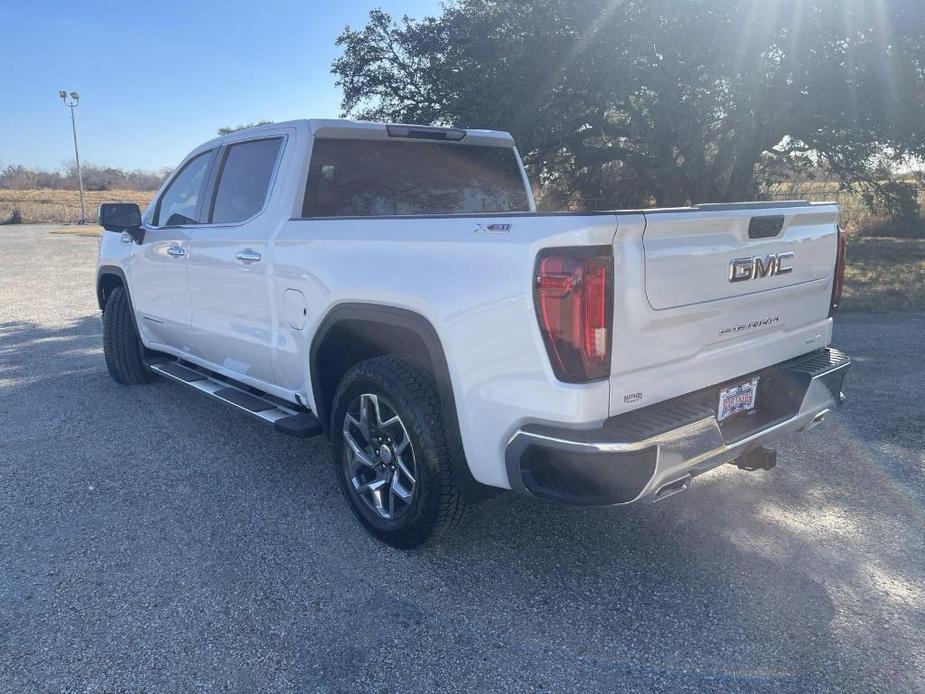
(158, 270)
(232, 319)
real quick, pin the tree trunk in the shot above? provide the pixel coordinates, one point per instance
(741, 178)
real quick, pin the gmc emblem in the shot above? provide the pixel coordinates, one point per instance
(754, 268)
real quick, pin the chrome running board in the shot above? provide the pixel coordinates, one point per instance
(285, 417)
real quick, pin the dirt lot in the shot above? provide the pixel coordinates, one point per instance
(153, 541)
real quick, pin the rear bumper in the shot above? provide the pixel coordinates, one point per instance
(651, 453)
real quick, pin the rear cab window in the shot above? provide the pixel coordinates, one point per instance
(244, 179)
(356, 177)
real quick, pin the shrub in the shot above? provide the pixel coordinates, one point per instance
(912, 228)
(14, 218)
(894, 199)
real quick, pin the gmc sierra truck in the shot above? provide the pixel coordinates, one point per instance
(393, 288)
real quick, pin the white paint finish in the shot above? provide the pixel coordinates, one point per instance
(113, 251)
(159, 285)
(232, 319)
(476, 289)
(294, 309)
(687, 254)
(665, 353)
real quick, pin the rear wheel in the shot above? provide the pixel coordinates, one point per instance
(121, 345)
(390, 452)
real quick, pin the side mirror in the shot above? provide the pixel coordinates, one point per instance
(124, 217)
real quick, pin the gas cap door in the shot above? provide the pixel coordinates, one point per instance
(294, 308)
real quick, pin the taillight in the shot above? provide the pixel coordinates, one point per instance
(839, 282)
(574, 304)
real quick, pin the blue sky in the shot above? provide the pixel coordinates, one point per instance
(158, 78)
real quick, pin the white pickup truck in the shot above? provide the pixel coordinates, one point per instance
(393, 288)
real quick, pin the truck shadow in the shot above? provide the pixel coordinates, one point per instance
(29, 350)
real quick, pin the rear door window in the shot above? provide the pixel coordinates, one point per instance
(244, 180)
(382, 177)
(181, 202)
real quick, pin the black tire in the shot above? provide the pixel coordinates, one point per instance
(121, 345)
(436, 505)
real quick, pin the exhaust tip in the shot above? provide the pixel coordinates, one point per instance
(674, 487)
(815, 421)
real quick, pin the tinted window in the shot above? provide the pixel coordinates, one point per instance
(376, 177)
(180, 202)
(244, 180)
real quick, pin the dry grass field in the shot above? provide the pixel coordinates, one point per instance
(61, 206)
(885, 275)
(855, 214)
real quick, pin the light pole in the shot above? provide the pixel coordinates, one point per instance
(72, 104)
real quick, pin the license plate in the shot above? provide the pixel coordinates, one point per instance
(737, 399)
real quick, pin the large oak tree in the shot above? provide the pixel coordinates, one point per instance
(625, 102)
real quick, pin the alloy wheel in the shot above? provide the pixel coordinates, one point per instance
(379, 458)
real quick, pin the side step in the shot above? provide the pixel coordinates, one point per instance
(284, 417)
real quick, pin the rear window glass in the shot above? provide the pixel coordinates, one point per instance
(382, 177)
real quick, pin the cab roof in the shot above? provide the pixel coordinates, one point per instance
(367, 130)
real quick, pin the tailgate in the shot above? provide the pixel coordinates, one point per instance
(689, 255)
(706, 294)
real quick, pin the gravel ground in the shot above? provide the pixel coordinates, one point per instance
(153, 541)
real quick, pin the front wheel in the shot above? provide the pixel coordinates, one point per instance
(121, 345)
(390, 452)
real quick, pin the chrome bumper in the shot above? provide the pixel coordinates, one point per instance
(653, 453)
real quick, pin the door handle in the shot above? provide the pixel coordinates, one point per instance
(247, 256)
(176, 251)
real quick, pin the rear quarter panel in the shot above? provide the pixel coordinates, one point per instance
(475, 288)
